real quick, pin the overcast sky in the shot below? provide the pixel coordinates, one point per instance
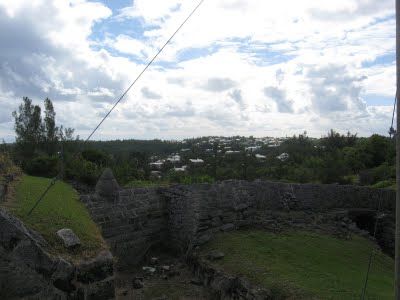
(239, 67)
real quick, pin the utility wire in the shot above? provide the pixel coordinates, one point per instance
(372, 254)
(59, 176)
(145, 68)
(55, 179)
(392, 131)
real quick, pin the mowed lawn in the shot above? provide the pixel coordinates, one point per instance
(60, 208)
(304, 265)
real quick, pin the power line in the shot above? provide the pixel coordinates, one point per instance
(144, 70)
(392, 131)
(372, 254)
(55, 179)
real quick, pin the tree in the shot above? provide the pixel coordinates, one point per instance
(335, 140)
(51, 130)
(28, 128)
(66, 134)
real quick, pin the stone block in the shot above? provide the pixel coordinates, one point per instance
(101, 290)
(98, 268)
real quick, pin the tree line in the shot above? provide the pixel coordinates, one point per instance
(334, 158)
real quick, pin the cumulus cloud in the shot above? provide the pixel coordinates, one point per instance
(283, 104)
(333, 89)
(82, 54)
(237, 96)
(147, 93)
(219, 84)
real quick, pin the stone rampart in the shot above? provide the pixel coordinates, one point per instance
(180, 217)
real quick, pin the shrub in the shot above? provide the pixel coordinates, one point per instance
(83, 171)
(43, 166)
(381, 173)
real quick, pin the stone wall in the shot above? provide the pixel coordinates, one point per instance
(132, 220)
(181, 217)
(27, 271)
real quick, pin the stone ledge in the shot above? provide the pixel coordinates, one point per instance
(225, 286)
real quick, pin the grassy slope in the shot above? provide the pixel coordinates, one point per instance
(60, 208)
(306, 265)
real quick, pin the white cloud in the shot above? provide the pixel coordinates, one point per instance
(314, 60)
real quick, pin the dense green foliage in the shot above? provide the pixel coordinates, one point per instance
(334, 158)
(302, 265)
(59, 209)
(36, 139)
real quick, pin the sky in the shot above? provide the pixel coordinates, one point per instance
(238, 67)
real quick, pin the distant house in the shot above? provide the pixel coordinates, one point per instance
(174, 158)
(252, 148)
(157, 165)
(259, 156)
(283, 157)
(196, 161)
(181, 169)
(185, 150)
(231, 152)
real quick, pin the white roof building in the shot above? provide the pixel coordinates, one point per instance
(174, 158)
(259, 156)
(252, 148)
(197, 161)
(231, 152)
(157, 165)
(283, 157)
(182, 169)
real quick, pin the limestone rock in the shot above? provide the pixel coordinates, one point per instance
(69, 238)
(63, 276)
(149, 270)
(101, 290)
(137, 284)
(227, 227)
(154, 260)
(96, 269)
(166, 268)
(215, 255)
(203, 239)
(107, 186)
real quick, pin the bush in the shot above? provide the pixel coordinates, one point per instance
(43, 166)
(7, 167)
(83, 171)
(95, 156)
(381, 173)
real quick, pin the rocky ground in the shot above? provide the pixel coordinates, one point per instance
(161, 276)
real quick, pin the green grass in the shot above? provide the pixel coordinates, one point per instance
(389, 184)
(60, 208)
(303, 265)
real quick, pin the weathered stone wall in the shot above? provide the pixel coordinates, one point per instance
(27, 271)
(201, 210)
(133, 220)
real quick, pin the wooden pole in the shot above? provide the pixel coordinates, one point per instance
(397, 234)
